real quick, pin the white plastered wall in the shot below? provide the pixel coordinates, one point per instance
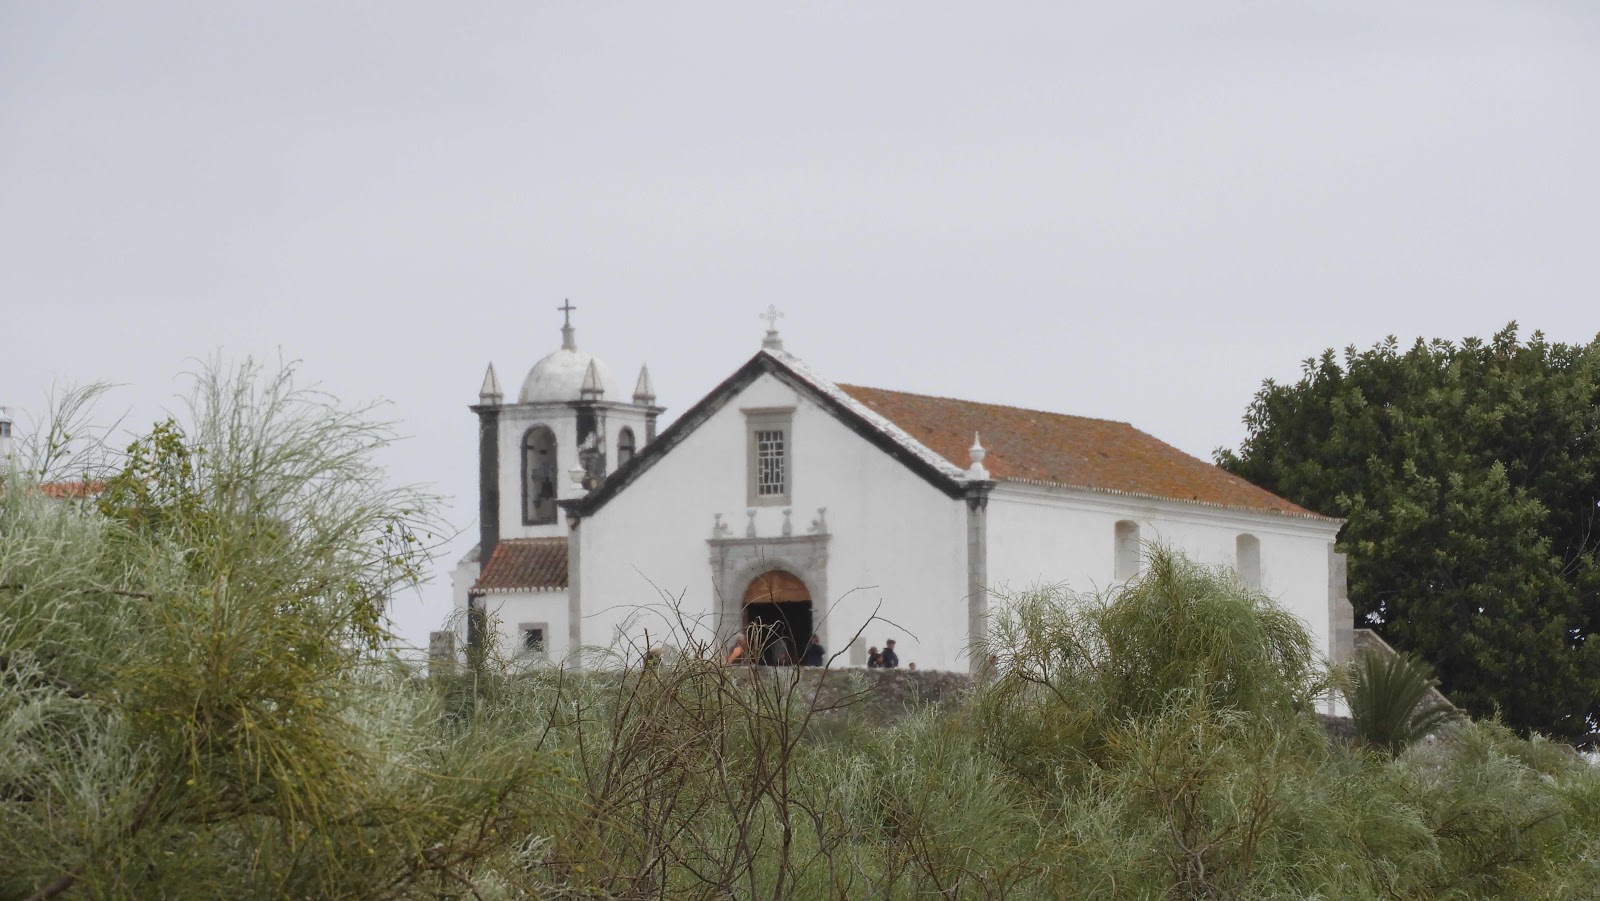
(1040, 535)
(897, 544)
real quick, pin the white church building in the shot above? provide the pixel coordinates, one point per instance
(813, 507)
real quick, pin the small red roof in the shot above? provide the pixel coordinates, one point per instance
(525, 564)
(1073, 451)
(71, 490)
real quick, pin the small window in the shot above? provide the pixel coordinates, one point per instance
(1127, 549)
(533, 639)
(1247, 558)
(625, 447)
(5, 428)
(771, 470)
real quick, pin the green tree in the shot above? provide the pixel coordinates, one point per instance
(1469, 476)
(191, 704)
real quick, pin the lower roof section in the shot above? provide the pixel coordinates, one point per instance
(525, 564)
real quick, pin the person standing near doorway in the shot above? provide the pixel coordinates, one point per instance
(778, 651)
(739, 652)
(890, 658)
(814, 652)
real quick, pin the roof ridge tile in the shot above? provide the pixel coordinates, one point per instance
(985, 403)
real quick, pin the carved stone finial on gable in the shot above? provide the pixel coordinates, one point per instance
(718, 527)
(750, 528)
(819, 526)
(976, 472)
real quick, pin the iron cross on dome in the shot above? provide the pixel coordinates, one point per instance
(772, 315)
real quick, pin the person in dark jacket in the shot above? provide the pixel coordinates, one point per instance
(890, 658)
(814, 652)
(874, 659)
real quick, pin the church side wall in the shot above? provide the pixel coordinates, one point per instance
(895, 543)
(1041, 536)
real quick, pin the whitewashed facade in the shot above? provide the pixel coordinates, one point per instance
(885, 533)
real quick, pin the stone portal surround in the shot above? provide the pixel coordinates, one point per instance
(736, 562)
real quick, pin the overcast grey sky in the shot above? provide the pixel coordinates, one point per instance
(1131, 210)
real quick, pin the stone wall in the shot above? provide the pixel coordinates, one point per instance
(881, 696)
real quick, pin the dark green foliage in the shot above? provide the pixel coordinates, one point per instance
(1390, 703)
(1469, 474)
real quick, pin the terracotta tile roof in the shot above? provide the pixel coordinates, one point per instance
(71, 490)
(525, 564)
(1074, 451)
(876, 420)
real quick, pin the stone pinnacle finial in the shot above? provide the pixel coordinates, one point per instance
(644, 393)
(592, 388)
(489, 394)
(772, 341)
(976, 472)
(567, 341)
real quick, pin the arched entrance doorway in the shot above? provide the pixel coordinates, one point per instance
(778, 605)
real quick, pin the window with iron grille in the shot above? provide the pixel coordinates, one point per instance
(771, 441)
(769, 462)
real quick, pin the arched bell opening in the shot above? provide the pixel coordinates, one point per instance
(777, 618)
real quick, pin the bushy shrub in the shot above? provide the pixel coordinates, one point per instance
(190, 702)
(1168, 730)
(1072, 669)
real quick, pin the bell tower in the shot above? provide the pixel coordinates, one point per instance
(566, 430)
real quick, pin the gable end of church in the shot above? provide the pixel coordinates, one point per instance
(763, 363)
